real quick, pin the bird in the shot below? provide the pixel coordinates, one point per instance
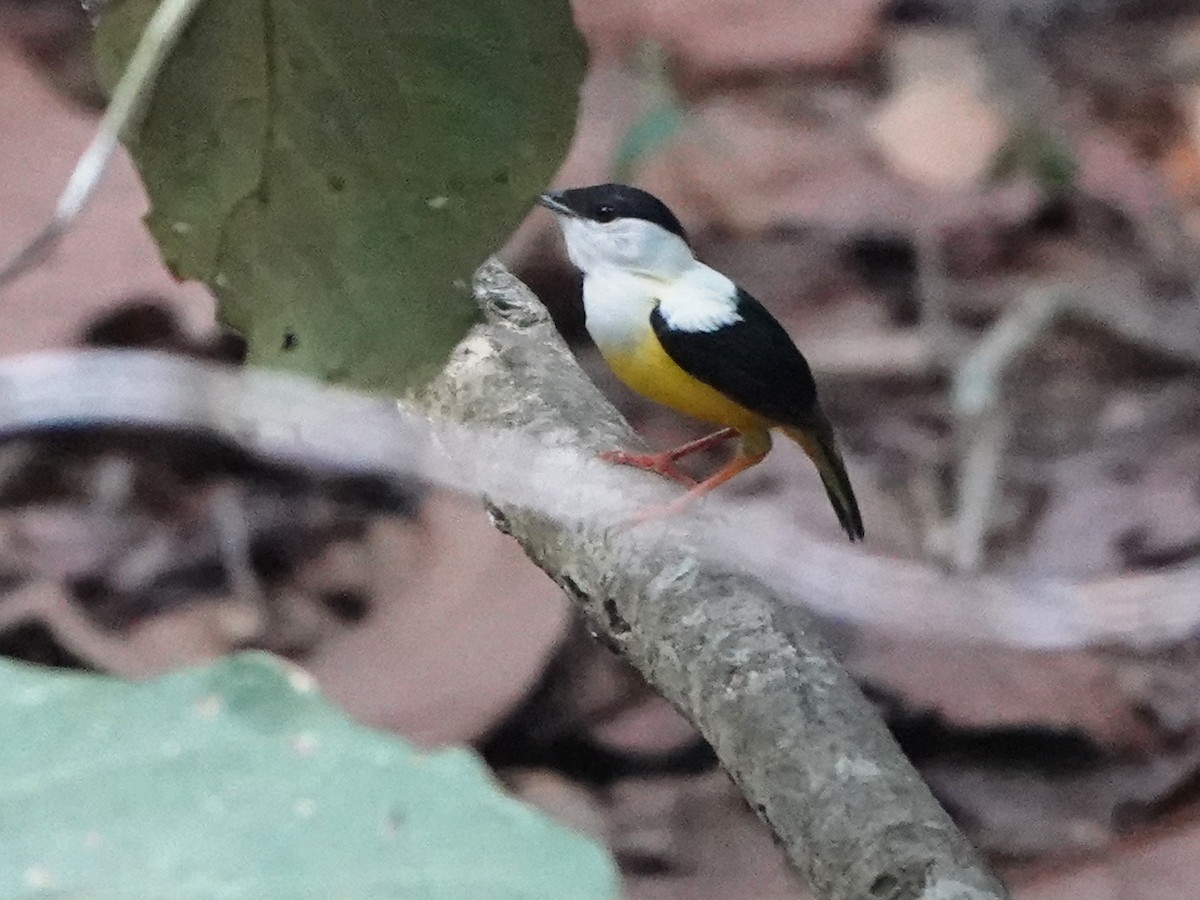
(686, 336)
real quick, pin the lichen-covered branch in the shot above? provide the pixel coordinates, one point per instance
(791, 727)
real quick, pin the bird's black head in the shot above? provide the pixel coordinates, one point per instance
(609, 202)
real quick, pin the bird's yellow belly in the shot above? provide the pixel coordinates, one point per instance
(647, 369)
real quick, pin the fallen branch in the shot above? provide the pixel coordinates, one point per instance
(808, 751)
(977, 391)
(273, 418)
(291, 423)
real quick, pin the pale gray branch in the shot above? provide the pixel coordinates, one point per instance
(272, 416)
(808, 751)
(286, 421)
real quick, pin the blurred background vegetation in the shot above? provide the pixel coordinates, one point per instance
(979, 220)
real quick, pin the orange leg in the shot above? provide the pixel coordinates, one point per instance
(739, 463)
(753, 447)
(664, 463)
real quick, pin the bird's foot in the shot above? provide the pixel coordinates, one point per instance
(739, 463)
(662, 463)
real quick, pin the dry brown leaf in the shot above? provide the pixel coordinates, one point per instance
(990, 686)
(937, 125)
(1164, 865)
(711, 38)
(696, 840)
(462, 626)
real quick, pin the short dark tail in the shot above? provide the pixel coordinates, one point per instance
(818, 443)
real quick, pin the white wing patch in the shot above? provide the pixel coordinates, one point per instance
(701, 300)
(699, 317)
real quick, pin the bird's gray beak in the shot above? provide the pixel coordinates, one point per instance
(553, 201)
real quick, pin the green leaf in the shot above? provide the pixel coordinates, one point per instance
(335, 170)
(239, 781)
(1033, 151)
(651, 132)
(663, 115)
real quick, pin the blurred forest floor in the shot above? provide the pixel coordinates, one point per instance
(892, 180)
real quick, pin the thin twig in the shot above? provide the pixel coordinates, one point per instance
(977, 486)
(982, 422)
(228, 510)
(129, 99)
(977, 389)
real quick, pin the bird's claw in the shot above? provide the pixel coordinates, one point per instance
(661, 463)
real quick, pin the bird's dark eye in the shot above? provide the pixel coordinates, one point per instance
(605, 214)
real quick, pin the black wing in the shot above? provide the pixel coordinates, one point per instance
(752, 361)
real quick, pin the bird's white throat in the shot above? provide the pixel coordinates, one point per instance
(633, 245)
(618, 303)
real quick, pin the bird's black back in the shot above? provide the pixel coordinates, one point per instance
(753, 362)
